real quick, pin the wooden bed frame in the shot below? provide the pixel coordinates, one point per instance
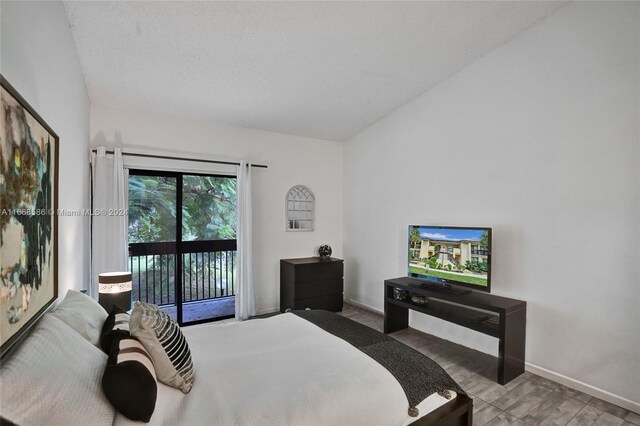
(458, 412)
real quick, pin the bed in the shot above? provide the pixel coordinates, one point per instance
(281, 370)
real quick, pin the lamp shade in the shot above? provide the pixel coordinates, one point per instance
(114, 289)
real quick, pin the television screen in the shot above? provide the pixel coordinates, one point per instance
(451, 255)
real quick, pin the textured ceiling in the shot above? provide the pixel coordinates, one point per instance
(316, 69)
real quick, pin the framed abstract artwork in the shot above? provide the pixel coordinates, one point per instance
(28, 219)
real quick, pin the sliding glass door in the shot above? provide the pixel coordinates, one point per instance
(208, 247)
(182, 243)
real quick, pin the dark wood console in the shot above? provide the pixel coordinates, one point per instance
(493, 315)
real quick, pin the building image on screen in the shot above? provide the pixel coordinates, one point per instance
(458, 255)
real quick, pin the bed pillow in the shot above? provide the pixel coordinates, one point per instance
(116, 324)
(53, 378)
(166, 344)
(129, 380)
(83, 314)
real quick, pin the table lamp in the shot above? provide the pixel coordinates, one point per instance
(114, 288)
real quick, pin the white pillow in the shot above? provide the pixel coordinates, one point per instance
(83, 314)
(54, 377)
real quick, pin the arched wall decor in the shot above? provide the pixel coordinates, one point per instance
(300, 208)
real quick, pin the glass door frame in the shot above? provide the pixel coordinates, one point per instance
(179, 245)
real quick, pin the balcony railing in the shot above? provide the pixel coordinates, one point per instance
(208, 270)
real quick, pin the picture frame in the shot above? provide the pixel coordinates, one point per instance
(29, 159)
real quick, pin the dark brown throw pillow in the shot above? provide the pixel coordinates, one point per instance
(117, 323)
(129, 380)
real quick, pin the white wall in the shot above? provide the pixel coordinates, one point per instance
(291, 159)
(539, 140)
(38, 58)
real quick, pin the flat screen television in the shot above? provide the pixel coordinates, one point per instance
(446, 255)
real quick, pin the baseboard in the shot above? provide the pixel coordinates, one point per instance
(363, 306)
(584, 387)
(263, 311)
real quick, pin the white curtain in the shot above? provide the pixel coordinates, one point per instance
(109, 198)
(245, 294)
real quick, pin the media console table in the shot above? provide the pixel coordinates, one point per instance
(493, 315)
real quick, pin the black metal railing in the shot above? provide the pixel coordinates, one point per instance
(208, 270)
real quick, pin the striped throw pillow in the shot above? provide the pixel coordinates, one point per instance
(166, 344)
(129, 380)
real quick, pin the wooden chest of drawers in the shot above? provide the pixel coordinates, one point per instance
(311, 282)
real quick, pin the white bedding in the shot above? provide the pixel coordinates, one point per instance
(281, 370)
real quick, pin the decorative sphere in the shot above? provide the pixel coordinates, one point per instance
(325, 250)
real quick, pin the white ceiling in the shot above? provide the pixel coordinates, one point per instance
(318, 69)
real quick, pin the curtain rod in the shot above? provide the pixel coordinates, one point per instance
(198, 160)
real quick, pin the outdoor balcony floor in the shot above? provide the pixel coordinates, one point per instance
(203, 309)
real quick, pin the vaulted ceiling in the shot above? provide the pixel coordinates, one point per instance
(318, 69)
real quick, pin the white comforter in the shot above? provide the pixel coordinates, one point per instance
(281, 371)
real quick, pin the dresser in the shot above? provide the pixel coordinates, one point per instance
(311, 282)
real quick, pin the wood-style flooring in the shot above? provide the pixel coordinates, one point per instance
(526, 400)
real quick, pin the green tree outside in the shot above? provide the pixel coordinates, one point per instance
(208, 213)
(208, 208)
